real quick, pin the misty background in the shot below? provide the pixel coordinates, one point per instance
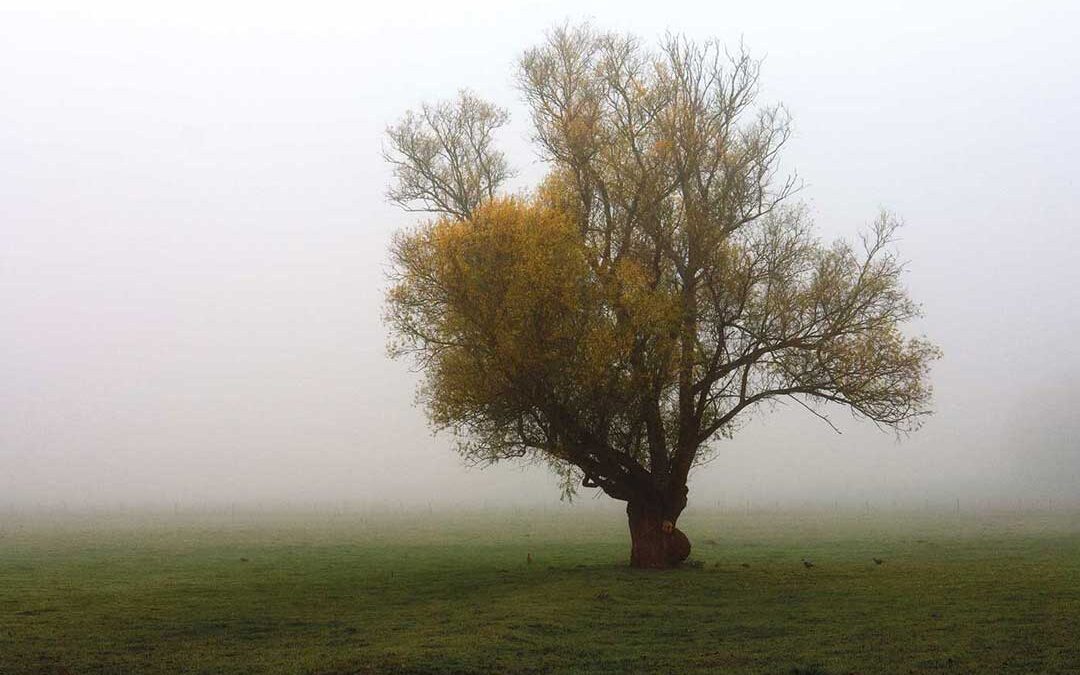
(193, 241)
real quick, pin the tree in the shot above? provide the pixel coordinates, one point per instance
(658, 286)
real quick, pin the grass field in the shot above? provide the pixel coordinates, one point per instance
(346, 593)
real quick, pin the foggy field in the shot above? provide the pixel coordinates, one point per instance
(782, 294)
(419, 592)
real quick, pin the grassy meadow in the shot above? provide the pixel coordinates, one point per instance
(428, 592)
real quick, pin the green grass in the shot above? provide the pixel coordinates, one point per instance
(420, 593)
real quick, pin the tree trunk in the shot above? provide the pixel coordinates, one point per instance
(650, 545)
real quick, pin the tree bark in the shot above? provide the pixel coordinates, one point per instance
(650, 545)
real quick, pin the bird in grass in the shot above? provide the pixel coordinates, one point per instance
(528, 559)
(877, 561)
(807, 564)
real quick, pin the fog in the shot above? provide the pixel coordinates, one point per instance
(193, 240)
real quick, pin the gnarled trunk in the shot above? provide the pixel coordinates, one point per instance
(652, 545)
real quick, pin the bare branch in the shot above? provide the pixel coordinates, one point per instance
(443, 157)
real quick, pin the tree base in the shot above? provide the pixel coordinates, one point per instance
(654, 545)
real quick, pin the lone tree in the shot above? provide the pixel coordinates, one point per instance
(656, 286)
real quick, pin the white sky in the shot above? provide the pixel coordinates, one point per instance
(193, 241)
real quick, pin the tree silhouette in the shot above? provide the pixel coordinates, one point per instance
(657, 286)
